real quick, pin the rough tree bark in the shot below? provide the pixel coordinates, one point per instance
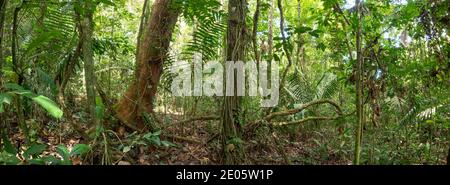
(88, 56)
(235, 50)
(142, 25)
(139, 97)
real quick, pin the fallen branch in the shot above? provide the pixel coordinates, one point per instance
(183, 139)
(306, 120)
(303, 107)
(214, 136)
(202, 118)
(271, 116)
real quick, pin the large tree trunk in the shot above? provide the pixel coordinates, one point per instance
(232, 130)
(152, 52)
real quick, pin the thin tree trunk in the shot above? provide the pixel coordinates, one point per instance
(359, 88)
(16, 64)
(233, 152)
(64, 74)
(63, 77)
(18, 70)
(88, 56)
(2, 21)
(299, 53)
(285, 49)
(285, 45)
(270, 34)
(255, 31)
(270, 45)
(152, 53)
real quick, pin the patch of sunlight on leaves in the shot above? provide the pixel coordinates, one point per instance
(49, 105)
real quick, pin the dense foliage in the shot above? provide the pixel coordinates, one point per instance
(56, 108)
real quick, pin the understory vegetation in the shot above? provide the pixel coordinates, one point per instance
(86, 82)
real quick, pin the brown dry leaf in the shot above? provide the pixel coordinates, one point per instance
(124, 163)
(121, 131)
(76, 161)
(143, 160)
(204, 161)
(73, 141)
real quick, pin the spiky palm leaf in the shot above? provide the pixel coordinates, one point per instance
(301, 90)
(209, 27)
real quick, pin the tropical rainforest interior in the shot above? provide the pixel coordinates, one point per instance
(87, 82)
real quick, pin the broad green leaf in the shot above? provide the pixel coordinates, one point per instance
(168, 144)
(36, 162)
(13, 86)
(50, 106)
(126, 149)
(4, 98)
(51, 160)
(157, 133)
(41, 39)
(155, 140)
(9, 159)
(8, 146)
(34, 149)
(63, 151)
(80, 149)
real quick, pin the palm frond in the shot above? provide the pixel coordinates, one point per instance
(209, 27)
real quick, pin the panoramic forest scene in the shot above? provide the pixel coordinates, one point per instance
(224, 82)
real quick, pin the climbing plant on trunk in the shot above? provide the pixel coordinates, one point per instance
(153, 49)
(235, 51)
(87, 9)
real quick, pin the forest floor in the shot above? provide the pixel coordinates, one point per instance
(196, 143)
